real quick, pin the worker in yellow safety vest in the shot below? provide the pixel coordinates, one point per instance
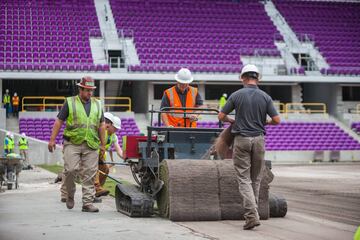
(84, 137)
(9, 143)
(6, 102)
(24, 148)
(113, 124)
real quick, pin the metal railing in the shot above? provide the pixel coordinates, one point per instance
(307, 108)
(51, 103)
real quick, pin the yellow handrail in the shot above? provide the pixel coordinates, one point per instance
(289, 106)
(281, 106)
(44, 99)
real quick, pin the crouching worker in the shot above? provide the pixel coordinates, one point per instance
(112, 124)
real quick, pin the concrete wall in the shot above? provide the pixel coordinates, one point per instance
(321, 93)
(2, 118)
(38, 151)
(307, 156)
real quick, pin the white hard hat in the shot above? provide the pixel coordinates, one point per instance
(11, 135)
(23, 134)
(116, 122)
(15, 94)
(225, 95)
(7, 90)
(250, 68)
(8, 134)
(109, 115)
(184, 76)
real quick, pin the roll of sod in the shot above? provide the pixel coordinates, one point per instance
(204, 190)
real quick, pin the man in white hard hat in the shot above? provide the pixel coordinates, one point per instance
(251, 106)
(24, 147)
(9, 144)
(113, 124)
(179, 96)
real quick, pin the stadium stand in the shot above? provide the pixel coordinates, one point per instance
(338, 41)
(40, 128)
(206, 36)
(48, 35)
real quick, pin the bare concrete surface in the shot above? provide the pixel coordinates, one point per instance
(324, 203)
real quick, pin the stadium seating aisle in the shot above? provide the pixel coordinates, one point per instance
(334, 26)
(48, 35)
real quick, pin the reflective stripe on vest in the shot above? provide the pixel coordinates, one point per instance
(79, 126)
(177, 119)
(23, 144)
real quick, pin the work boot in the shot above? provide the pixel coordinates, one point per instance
(90, 208)
(70, 202)
(63, 199)
(101, 192)
(251, 223)
(97, 200)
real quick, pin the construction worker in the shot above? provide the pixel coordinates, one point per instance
(6, 102)
(251, 106)
(179, 96)
(222, 101)
(9, 143)
(23, 147)
(113, 123)
(84, 137)
(15, 105)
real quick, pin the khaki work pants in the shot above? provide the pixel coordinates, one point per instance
(248, 157)
(81, 161)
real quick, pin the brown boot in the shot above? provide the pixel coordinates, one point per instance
(70, 203)
(63, 199)
(90, 208)
(101, 192)
(250, 224)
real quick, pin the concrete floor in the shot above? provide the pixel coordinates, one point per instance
(324, 203)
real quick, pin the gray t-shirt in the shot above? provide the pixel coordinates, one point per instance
(64, 111)
(251, 107)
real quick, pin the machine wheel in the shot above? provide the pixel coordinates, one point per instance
(9, 186)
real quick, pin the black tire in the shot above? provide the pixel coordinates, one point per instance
(277, 205)
(9, 186)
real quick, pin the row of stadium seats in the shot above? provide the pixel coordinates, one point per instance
(302, 136)
(47, 35)
(157, 24)
(41, 128)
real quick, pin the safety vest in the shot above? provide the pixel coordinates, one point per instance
(222, 102)
(23, 144)
(9, 145)
(15, 101)
(109, 140)
(6, 99)
(79, 126)
(177, 119)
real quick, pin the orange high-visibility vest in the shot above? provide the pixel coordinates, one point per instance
(15, 101)
(177, 119)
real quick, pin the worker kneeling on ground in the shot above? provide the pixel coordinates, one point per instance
(112, 123)
(251, 106)
(179, 96)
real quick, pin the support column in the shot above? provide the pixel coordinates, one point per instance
(201, 89)
(102, 93)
